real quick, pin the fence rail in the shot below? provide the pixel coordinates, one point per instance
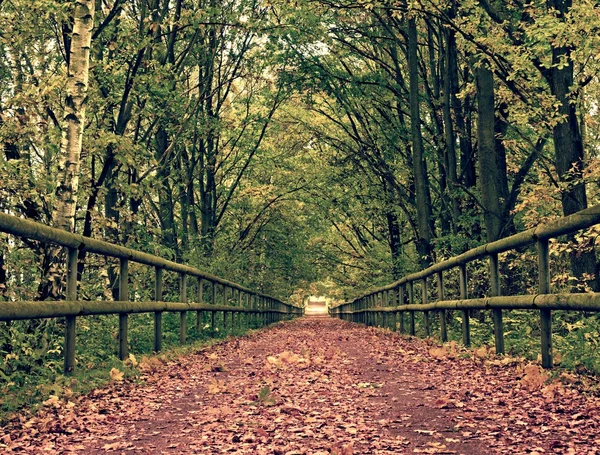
(263, 308)
(386, 305)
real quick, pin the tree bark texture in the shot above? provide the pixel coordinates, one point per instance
(63, 216)
(422, 194)
(568, 145)
(492, 157)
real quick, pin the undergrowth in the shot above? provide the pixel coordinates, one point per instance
(575, 335)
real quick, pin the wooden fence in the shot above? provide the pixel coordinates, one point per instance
(263, 308)
(386, 305)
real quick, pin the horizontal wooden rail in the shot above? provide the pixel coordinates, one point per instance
(13, 311)
(37, 231)
(569, 224)
(380, 305)
(568, 302)
(263, 308)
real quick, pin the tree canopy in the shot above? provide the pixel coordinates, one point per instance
(298, 145)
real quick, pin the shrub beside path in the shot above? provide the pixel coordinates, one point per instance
(321, 386)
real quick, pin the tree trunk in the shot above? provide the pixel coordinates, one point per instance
(395, 243)
(450, 91)
(568, 147)
(63, 215)
(165, 196)
(492, 157)
(2, 275)
(422, 195)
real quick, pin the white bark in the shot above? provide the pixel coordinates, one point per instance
(63, 216)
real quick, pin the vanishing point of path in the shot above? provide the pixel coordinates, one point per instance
(322, 386)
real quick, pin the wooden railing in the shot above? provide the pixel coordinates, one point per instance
(263, 308)
(386, 305)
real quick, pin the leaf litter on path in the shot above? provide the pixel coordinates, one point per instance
(320, 386)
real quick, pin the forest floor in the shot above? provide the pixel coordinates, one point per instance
(321, 386)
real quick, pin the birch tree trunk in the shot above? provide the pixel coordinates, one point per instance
(63, 216)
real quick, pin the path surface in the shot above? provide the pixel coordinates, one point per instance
(321, 386)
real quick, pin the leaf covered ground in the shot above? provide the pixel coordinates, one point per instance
(321, 386)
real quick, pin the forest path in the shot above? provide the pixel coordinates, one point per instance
(322, 386)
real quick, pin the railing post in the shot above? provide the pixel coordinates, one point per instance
(71, 321)
(394, 303)
(496, 291)
(241, 314)
(424, 300)
(411, 299)
(158, 293)
(378, 314)
(386, 315)
(545, 315)
(123, 317)
(441, 297)
(401, 302)
(466, 328)
(224, 304)
(214, 302)
(262, 315)
(200, 300)
(182, 314)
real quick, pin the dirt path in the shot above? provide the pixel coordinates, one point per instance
(321, 386)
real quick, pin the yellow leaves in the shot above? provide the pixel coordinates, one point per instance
(216, 386)
(427, 432)
(447, 351)
(114, 446)
(273, 361)
(116, 375)
(347, 449)
(434, 447)
(287, 358)
(438, 353)
(534, 378)
(484, 352)
(131, 361)
(53, 400)
(368, 385)
(148, 364)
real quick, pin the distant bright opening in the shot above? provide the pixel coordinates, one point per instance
(316, 306)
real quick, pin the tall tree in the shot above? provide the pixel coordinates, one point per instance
(78, 67)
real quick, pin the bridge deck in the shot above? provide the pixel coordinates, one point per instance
(321, 386)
